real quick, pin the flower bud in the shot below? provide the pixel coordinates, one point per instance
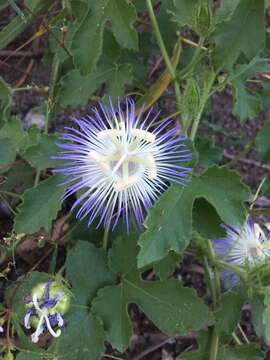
(204, 19)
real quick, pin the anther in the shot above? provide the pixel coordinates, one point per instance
(124, 184)
(143, 135)
(109, 133)
(151, 166)
(101, 162)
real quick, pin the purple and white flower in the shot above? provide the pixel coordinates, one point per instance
(120, 163)
(246, 246)
(45, 310)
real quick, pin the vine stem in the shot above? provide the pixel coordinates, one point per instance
(216, 297)
(11, 194)
(164, 52)
(203, 102)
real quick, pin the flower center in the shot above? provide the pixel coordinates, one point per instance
(127, 158)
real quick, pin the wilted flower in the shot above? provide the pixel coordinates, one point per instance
(246, 246)
(120, 163)
(49, 302)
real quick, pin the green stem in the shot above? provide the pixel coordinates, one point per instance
(159, 39)
(51, 101)
(37, 177)
(105, 237)
(8, 205)
(214, 345)
(209, 279)
(11, 194)
(216, 289)
(234, 268)
(164, 52)
(185, 72)
(203, 102)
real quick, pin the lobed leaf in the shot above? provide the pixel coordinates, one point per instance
(169, 222)
(40, 206)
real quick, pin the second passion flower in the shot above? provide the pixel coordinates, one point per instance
(120, 162)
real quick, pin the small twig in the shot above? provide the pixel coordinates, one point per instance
(12, 53)
(151, 349)
(243, 333)
(246, 161)
(26, 74)
(192, 43)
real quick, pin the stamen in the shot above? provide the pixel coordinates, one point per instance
(259, 232)
(26, 319)
(50, 329)
(124, 184)
(39, 330)
(152, 168)
(143, 135)
(110, 133)
(101, 161)
(60, 320)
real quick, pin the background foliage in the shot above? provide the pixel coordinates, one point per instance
(95, 49)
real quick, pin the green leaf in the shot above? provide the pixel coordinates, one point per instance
(87, 45)
(257, 311)
(247, 103)
(203, 352)
(263, 143)
(120, 261)
(87, 41)
(243, 33)
(7, 152)
(85, 87)
(209, 154)
(206, 220)
(40, 156)
(122, 14)
(117, 79)
(169, 222)
(242, 352)
(226, 10)
(18, 178)
(174, 309)
(228, 313)
(117, 324)
(83, 338)
(184, 12)
(87, 271)
(13, 130)
(266, 318)
(166, 266)
(40, 206)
